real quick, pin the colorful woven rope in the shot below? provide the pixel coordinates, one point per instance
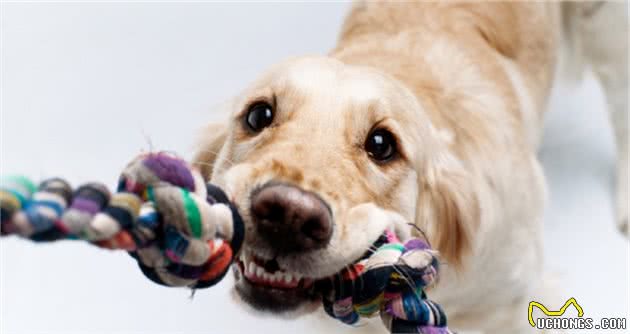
(183, 232)
(389, 281)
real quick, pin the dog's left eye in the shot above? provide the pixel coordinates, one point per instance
(259, 116)
(381, 145)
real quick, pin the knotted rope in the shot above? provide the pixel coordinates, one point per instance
(183, 232)
(389, 281)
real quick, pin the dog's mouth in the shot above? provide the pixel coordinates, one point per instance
(268, 274)
(265, 285)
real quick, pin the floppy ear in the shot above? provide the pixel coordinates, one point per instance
(208, 148)
(448, 208)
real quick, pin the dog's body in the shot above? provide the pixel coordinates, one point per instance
(463, 89)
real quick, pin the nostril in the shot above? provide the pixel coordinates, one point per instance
(276, 213)
(315, 229)
(268, 209)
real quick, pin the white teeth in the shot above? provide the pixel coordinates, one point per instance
(251, 268)
(254, 271)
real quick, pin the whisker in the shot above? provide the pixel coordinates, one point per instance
(216, 153)
(407, 279)
(424, 235)
(347, 267)
(208, 150)
(147, 138)
(201, 163)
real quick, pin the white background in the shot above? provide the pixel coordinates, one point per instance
(85, 87)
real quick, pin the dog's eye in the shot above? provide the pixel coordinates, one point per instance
(381, 145)
(259, 116)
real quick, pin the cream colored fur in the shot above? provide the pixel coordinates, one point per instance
(464, 89)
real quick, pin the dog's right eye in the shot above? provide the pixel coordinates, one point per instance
(381, 145)
(259, 116)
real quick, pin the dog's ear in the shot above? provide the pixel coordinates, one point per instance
(448, 209)
(208, 148)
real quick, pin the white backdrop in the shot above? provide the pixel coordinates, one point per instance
(86, 86)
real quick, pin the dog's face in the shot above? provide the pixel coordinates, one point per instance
(320, 158)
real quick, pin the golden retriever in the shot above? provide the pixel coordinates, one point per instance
(427, 114)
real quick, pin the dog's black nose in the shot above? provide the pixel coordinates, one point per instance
(291, 219)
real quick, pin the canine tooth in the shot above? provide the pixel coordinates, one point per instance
(251, 268)
(259, 272)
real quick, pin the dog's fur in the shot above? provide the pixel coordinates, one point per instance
(463, 87)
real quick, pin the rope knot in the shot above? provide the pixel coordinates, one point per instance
(390, 281)
(182, 231)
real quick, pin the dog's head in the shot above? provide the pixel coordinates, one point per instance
(321, 157)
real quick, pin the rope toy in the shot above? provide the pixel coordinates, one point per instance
(389, 280)
(183, 232)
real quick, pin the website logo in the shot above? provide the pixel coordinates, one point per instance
(555, 319)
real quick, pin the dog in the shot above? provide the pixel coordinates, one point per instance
(424, 119)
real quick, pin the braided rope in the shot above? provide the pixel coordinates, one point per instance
(183, 232)
(390, 281)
